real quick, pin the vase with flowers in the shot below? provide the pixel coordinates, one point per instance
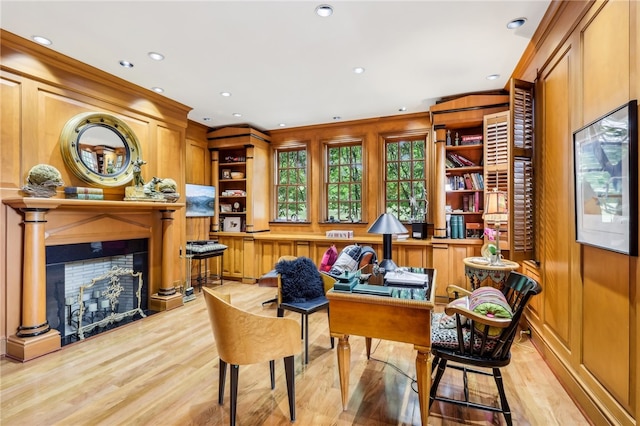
(490, 250)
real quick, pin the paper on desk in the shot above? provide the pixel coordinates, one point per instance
(405, 277)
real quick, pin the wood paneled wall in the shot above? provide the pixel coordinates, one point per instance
(41, 90)
(585, 64)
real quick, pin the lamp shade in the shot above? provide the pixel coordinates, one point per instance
(387, 224)
(495, 207)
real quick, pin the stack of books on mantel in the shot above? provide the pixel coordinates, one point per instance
(83, 193)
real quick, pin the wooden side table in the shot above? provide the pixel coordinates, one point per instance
(479, 270)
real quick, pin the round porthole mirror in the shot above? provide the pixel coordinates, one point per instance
(99, 149)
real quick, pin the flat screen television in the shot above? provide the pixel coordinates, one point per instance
(200, 200)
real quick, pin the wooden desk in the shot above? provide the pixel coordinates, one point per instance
(380, 317)
(477, 269)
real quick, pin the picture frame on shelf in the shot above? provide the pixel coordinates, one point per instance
(232, 224)
(225, 208)
(226, 173)
(606, 176)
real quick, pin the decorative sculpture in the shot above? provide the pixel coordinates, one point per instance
(42, 181)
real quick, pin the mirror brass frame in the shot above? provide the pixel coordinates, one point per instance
(70, 140)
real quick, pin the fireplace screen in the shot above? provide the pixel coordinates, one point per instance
(109, 298)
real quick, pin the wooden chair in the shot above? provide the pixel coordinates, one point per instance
(305, 308)
(244, 338)
(479, 341)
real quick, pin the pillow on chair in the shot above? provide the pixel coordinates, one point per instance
(301, 280)
(347, 261)
(490, 302)
(329, 258)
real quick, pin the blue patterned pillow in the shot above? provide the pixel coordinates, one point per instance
(347, 261)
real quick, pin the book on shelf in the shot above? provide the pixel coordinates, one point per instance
(82, 190)
(84, 196)
(460, 160)
(471, 140)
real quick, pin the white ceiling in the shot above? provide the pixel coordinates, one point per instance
(281, 62)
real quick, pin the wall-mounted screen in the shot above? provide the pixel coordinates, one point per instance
(200, 200)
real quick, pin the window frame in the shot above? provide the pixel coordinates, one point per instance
(423, 200)
(295, 147)
(338, 143)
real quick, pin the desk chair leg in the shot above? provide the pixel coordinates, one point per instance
(221, 379)
(234, 393)
(272, 374)
(306, 339)
(267, 302)
(289, 371)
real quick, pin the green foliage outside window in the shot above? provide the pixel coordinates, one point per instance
(291, 186)
(405, 179)
(344, 183)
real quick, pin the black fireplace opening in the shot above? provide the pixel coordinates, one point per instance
(71, 266)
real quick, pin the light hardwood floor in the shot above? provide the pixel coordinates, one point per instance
(163, 370)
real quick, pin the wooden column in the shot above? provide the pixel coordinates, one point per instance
(34, 337)
(167, 297)
(439, 216)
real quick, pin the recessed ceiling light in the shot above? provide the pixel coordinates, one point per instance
(225, 94)
(336, 117)
(42, 40)
(237, 114)
(516, 23)
(207, 118)
(401, 109)
(493, 77)
(358, 70)
(158, 89)
(324, 10)
(126, 64)
(156, 56)
(282, 125)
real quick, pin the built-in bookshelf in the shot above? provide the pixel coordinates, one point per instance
(464, 180)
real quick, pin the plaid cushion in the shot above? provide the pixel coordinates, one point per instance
(347, 261)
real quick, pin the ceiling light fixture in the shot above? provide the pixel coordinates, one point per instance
(358, 70)
(324, 10)
(126, 64)
(225, 94)
(336, 117)
(156, 56)
(282, 125)
(237, 114)
(402, 109)
(516, 23)
(493, 77)
(42, 40)
(157, 89)
(207, 118)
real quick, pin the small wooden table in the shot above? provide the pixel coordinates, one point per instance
(478, 269)
(399, 320)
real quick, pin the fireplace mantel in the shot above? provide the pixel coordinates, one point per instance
(64, 203)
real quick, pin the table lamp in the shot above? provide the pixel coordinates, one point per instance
(387, 225)
(495, 210)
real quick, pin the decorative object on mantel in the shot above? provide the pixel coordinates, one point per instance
(167, 188)
(42, 181)
(83, 193)
(140, 191)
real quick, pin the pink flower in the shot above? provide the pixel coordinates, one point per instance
(490, 233)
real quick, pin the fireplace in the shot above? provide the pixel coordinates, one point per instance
(72, 266)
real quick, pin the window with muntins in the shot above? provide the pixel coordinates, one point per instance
(405, 178)
(344, 182)
(291, 185)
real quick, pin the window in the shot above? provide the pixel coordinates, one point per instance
(344, 182)
(405, 178)
(291, 185)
